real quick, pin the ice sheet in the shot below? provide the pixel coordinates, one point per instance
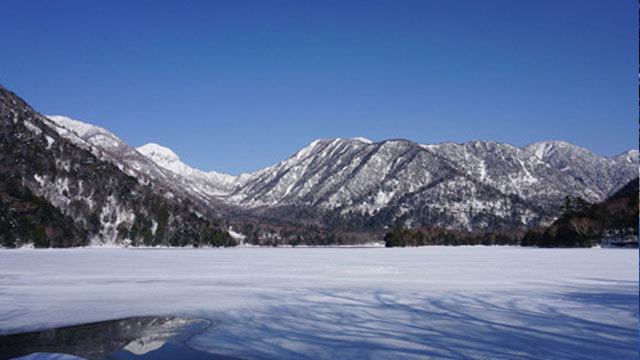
(327, 303)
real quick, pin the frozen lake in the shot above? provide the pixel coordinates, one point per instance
(329, 303)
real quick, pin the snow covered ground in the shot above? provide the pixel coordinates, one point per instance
(315, 303)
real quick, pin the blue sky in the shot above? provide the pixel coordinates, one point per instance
(235, 86)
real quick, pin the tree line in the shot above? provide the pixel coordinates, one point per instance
(581, 224)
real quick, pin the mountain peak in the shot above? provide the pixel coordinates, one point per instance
(363, 139)
(165, 158)
(341, 140)
(158, 153)
(629, 156)
(543, 149)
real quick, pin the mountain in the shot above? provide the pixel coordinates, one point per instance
(474, 186)
(603, 175)
(357, 184)
(210, 183)
(150, 163)
(105, 191)
(73, 185)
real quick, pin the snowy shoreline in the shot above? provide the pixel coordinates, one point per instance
(375, 245)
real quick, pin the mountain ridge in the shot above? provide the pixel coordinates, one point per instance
(84, 128)
(58, 189)
(398, 180)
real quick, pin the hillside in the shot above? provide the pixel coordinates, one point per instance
(57, 193)
(613, 222)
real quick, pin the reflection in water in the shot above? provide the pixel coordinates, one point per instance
(131, 338)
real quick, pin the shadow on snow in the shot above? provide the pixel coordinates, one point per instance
(328, 324)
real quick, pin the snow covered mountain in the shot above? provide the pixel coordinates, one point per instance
(476, 185)
(603, 175)
(69, 186)
(355, 183)
(65, 182)
(212, 183)
(105, 144)
(150, 162)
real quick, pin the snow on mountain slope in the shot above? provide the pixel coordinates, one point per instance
(362, 139)
(60, 189)
(601, 174)
(162, 156)
(147, 163)
(471, 185)
(342, 181)
(216, 183)
(327, 173)
(98, 135)
(630, 156)
(392, 179)
(512, 170)
(108, 146)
